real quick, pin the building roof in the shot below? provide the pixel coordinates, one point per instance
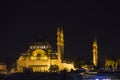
(40, 41)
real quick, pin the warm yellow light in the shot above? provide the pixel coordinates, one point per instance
(40, 58)
(45, 58)
(33, 58)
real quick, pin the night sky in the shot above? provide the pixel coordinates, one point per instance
(25, 20)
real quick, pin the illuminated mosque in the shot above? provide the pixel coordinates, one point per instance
(40, 57)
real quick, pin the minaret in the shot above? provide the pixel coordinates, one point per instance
(95, 53)
(60, 44)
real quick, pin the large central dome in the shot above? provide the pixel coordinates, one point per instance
(40, 43)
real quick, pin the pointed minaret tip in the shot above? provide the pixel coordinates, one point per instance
(58, 29)
(95, 39)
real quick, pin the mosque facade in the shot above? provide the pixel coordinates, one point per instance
(41, 57)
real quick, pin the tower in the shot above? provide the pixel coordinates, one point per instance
(95, 53)
(60, 43)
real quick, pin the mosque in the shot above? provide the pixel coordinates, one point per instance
(40, 57)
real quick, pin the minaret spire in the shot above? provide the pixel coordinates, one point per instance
(95, 52)
(60, 43)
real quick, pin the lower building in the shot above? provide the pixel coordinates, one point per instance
(3, 67)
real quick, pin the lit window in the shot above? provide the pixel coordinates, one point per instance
(45, 58)
(30, 47)
(34, 47)
(44, 47)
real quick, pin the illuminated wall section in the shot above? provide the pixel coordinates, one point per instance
(3, 67)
